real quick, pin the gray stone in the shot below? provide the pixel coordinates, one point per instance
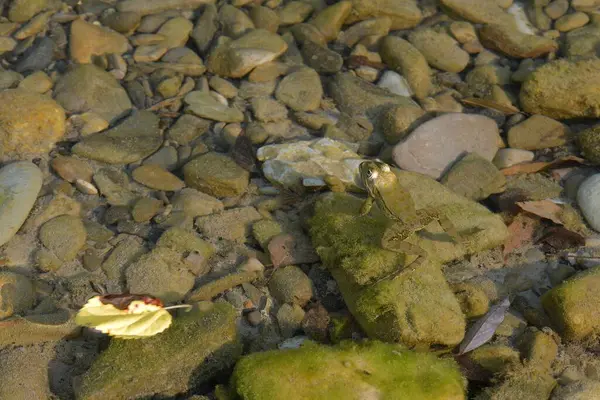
(115, 186)
(20, 184)
(204, 105)
(405, 59)
(435, 145)
(187, 128)
(64, 236)
(216, 174)
(439, 49)
(402, 13)
(194, 203)
(233, 224)
(160, 273)
(268, 110)
(291, 285)
(147, 7)
(474, 177)
(89, 88)
(135, 138)
(321, 58)
(16, 294)
(588, 199)
(129, 249)
(289, 319)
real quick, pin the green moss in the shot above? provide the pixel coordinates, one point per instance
(418, 307)
(523, 383)
(589, 141)
(495, 358)
(199, 344)
(265, 230)
(347, 371)
(573, 305)
(182, 241)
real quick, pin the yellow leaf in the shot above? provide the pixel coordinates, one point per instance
(138, 320)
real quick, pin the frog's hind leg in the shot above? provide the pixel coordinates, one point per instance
(430, 214)
(394, 239)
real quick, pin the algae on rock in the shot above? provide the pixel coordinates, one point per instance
(371, 370)
(200, 344)
(419, 307)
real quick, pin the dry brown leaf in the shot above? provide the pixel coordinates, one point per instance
(561, 238)
(520, 232)
(537, 166)
(503, 108)
(543, 208)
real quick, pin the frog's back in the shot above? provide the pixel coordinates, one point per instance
(397, 201)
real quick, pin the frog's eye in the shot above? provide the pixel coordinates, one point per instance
(385, 168)
(373, 174)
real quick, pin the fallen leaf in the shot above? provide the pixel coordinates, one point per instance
(243, 153)
(538, 166)
(503, 108)
(520, 232)
(126, 316)
(483, 330)
(561, 238)
(544, 209)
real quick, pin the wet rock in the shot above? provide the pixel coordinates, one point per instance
(205, 28)
(89, 88)
(356, 97)
(64, 236)
(24, 10)
(545, 91)
(16, 294)
(588, 200)
(223, 86)
(537, 132)
(38, 57)
(265, 18)
(135, 138)
(349, 246)
(38, 82)
(122, 22)
(300, 90)
(582, 42)
(474, 177)
(236, 58)
(145, 209)
(287, 164)
(71, 168)
(291, 285)
(187, 128)
(234, 21)
(115, 186)
(403, 14)
(439, 49)
(294, 12)
(571, 306)
(206, 106)
(194, 203)
(37, 328)
(30, 122)
(176, 32)
(398, 121)
(404, 58)
(20, 184)
(160, 273)
(185, 243)
(395, 83)
(268, 110)
(524, 381)
(446, 138)
(289, 319)
(509, 40)
(165, 158)
(581, 390)
(216, 175)
(557, 8)
(329, 21)
(321, 58)
(259, 374)
(494, 358)
(208, 332)
(305, 33)
(233, 224)
(249, 271)
(483, 12)
(156, 177)
(88, 40)
(538, 348)
(25, 372)
(129, 249)
(571, 21)
(147, 7)
(505, 158)
(589, 142)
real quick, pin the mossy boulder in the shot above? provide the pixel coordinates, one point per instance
(419, 307)
(573, 305)
(199, 344)
(348, 371)
(521, 383)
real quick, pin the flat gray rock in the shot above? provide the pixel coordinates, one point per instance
(20, 184)
(435, 145)
(588, 199)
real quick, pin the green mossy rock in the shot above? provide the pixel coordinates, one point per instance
(372, 370)
(523, 383)
(495, 358)
(419, 307)
(573, 305)
(199, 344)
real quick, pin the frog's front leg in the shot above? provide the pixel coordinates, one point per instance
(366, 206)
(394, 239)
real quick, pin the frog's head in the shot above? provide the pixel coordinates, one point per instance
(372, 172)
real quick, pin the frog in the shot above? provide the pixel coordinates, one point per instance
(384, 189)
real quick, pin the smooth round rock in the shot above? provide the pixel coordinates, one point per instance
(156, 177)
(588, 199)
(16, 294)
(20, 184)
(437, 144)
(507, 157)
(29, 122)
